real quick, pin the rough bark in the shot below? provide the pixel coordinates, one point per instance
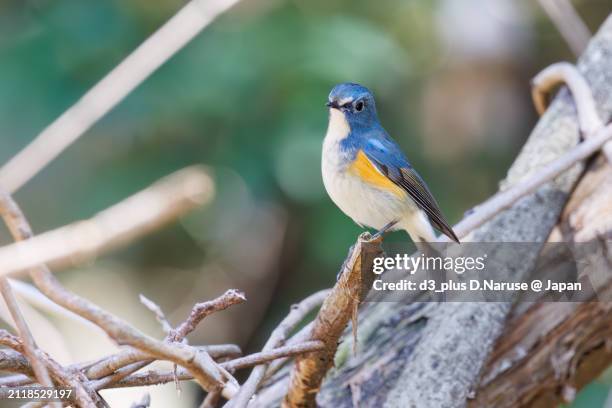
(432, 354)
(340, 305)
(550, 350)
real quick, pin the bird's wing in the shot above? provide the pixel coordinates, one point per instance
(389, 160)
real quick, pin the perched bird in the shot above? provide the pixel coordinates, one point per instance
(366, 174)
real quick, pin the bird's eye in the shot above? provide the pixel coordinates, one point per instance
(359, 106)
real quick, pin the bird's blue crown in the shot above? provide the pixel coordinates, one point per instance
(356, 102)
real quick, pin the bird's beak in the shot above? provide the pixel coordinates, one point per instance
(332, 104)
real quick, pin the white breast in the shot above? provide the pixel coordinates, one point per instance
(366, 204)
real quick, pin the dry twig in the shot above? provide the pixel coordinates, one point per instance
(16, 362)
(111, 90)
(125, 221)
(568, 23)
(201, 310)
(159, 314)
(118, 225)
(81, 394)
(505, 199)
(566, 73)
(277, 338)
(30, 350)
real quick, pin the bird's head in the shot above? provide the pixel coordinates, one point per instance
(355, 102)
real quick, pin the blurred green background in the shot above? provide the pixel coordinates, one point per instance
(246, 98)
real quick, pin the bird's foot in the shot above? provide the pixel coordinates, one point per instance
(384, 230)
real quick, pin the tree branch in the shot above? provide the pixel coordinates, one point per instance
(116, 226)
(561, 346)
(279, 335)
(569, 24)
(340, 306)
(111, 90)
(30, 350)
(119, 224)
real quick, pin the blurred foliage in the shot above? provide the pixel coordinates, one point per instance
(247, 98)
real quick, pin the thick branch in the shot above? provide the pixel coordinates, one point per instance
(560, 347)
(339, 307)
(116, 226)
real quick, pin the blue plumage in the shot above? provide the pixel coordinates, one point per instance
(364, 134)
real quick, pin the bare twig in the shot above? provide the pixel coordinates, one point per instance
(30, 349)
(16, 361)
(201, 310)
(82, 396)
(198, 313)
(123, 222)
(156, 377)
(137, 215)
(129, 361)
(277, 338)
(111, 90)
(566, 73)
(569, 24)
(300, 337)
(159, 314)
(127, 357)
(596, 136)
(507, 198)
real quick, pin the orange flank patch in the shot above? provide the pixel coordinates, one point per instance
(365, 170)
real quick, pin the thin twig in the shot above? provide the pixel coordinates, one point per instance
(159, 314)
(505, 199)
(154, 377)
(256, 359)
(81, 395)
(15, 362)
(201, 310)
(300, 337)
(111, 90)
(141, 213)
(12, 361)
(568, 23)
(129, 361)
(279, 335)
(30, 350)
(566, 73)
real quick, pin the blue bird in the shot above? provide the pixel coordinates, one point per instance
(366, 174)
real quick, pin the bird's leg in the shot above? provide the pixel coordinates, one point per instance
(384, 229)
(378, 234)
